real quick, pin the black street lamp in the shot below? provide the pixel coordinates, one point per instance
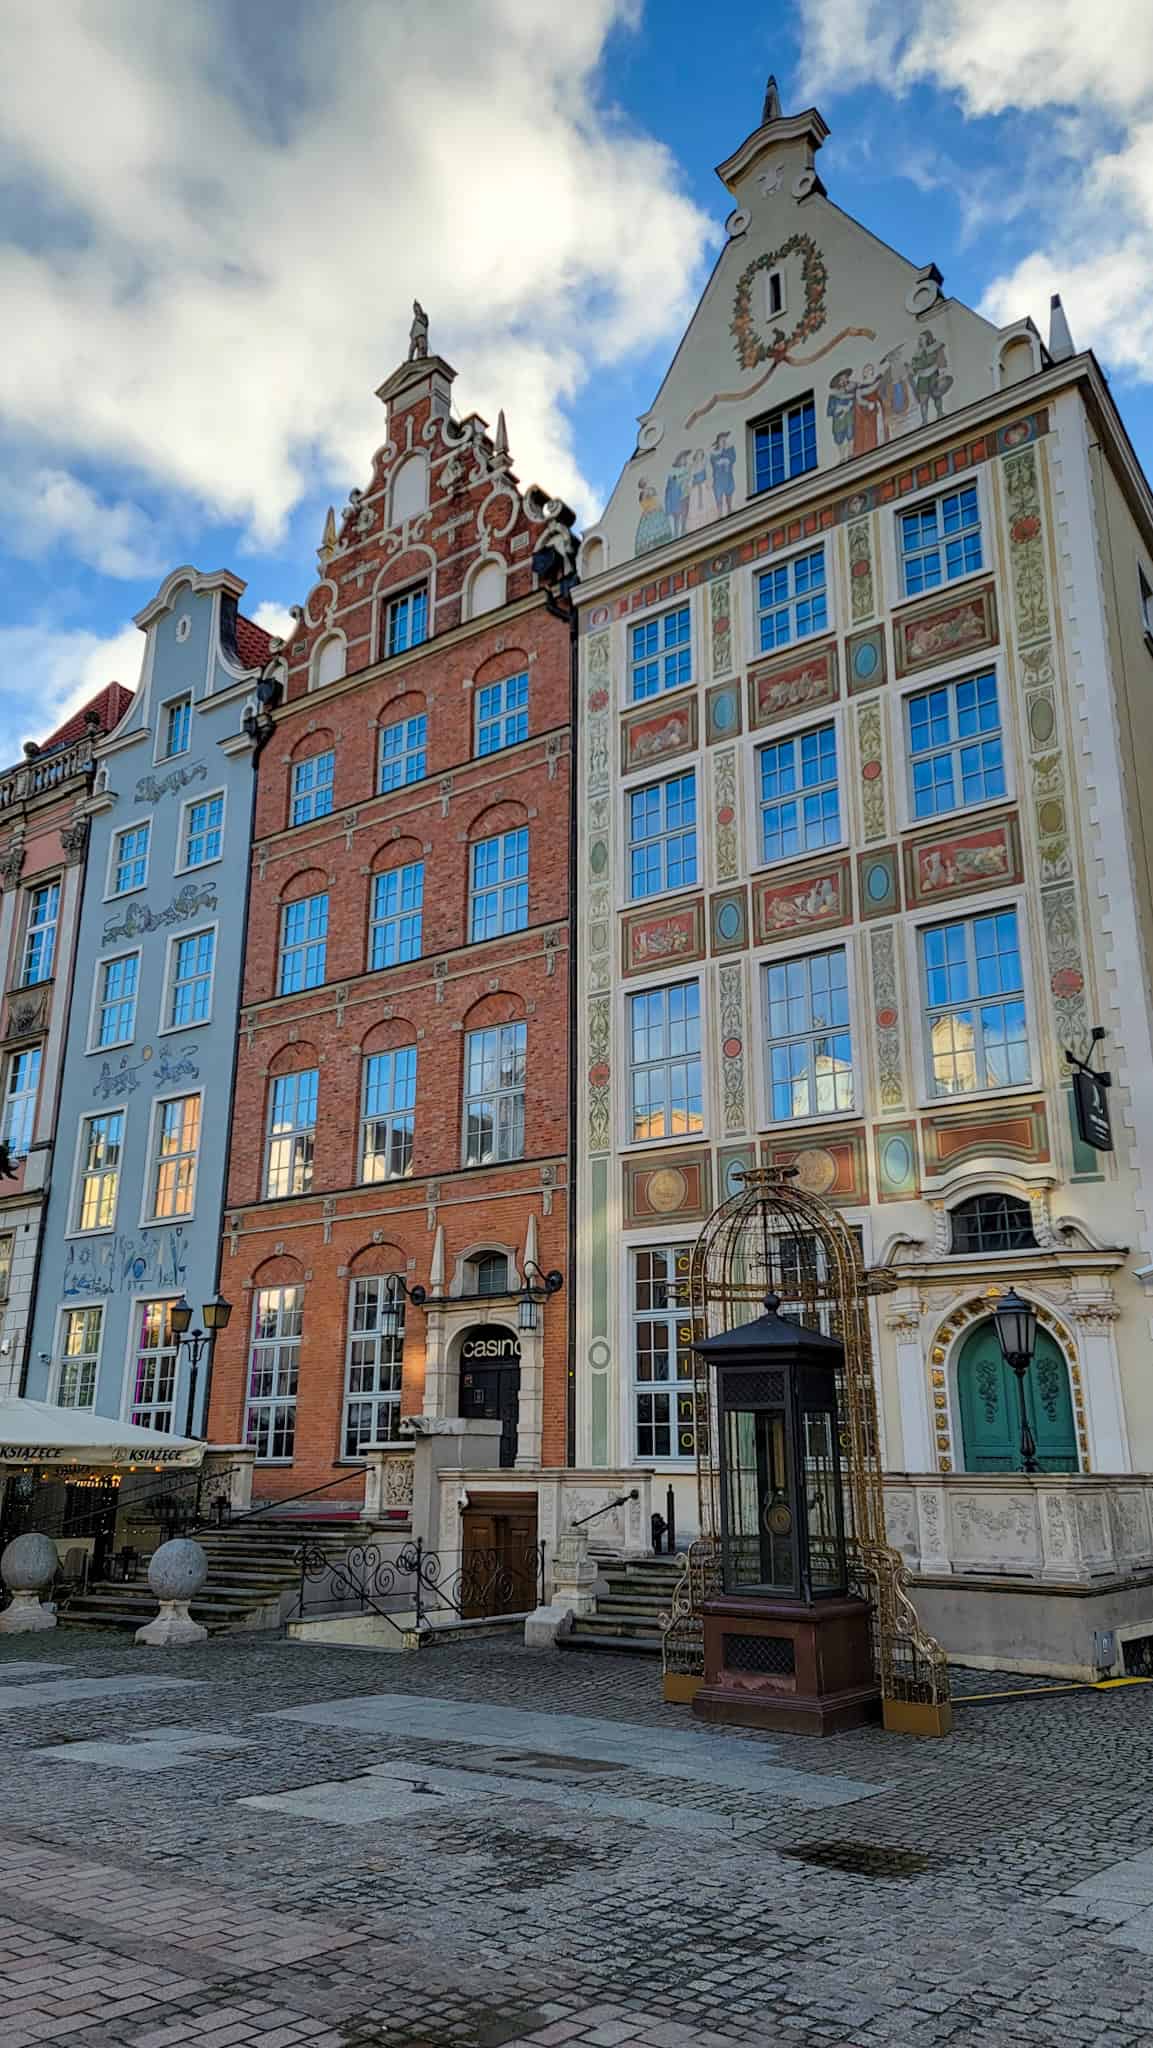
(1016, 1322)
(197, 1343)
(391, 1310)
(536, 1288)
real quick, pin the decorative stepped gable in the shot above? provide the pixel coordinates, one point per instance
(443, 509)
(803, 302)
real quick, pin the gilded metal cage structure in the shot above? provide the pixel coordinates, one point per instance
(773, 1236)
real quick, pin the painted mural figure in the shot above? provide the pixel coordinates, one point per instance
(653, 528)
(929, 375)
(723, 463)
(677, 488)
(700, 513)
(841, 407)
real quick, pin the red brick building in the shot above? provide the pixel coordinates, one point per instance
(401, 1103)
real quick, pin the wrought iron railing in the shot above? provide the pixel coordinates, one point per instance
(422, 1585)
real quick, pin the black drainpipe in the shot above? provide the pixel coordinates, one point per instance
(573, 1041)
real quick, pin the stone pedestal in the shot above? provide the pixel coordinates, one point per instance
(802, 1670)
(176, 1574)
(387, 1482)
(28, 1568)
(574, 1578)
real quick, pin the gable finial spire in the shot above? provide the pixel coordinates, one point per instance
(771, 111)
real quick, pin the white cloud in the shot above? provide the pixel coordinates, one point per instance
(275, 619)
(44, 509)
(234, 207)
(46, 675)
(1091, 73)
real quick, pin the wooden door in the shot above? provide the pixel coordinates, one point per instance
(499, 1563)
(990, 1406)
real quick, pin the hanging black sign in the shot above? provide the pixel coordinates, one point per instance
(1091, 1100)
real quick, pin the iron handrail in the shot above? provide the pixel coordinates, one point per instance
(621, 1501)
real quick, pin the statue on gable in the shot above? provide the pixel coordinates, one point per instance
(418, 334)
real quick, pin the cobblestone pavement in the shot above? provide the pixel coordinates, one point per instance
(277, 1846)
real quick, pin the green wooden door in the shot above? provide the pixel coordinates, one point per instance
(990, 1411)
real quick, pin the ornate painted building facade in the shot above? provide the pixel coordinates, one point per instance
(401, 1118)
(43, 847)
(865, 644)
(137, 1184)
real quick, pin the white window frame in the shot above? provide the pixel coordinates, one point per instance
(965, 911)
(682, 603)
(385, 1362)
(164, 712)
(674, 1460)
(499, 716)
(60, 1362)
(148, 1211)
(947, 677)
(75, 1226)
(299, 1137)
(665, 986)
(663, 837)
(52, 924)
(828, 716)
(765, 420)
(788, 559)
(139, 1303)
(278, 1399)
(309, 796)
(209, 796)
(31, 1095)
(495, 1096)
(302, 946)
(919, 501)
(507, 887)
(781, 956)
(411, 914)
(98, 1003)
(406, 755)
(399, 1116)
(111, 893)
(389, 601)
(175, 940)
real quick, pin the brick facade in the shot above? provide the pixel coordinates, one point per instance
(425, 1225)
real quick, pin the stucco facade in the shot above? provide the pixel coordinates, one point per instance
(134, 1202)
(865, 638)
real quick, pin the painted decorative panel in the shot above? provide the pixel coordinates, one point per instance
(1013, 1130)
(1026, 545)
(895, 1152)
(720, 625)
(729, 921)
(979, 858)
(598, 697)
(879, 882)
(722, 712)
(667, 1184)
(807, 900)
(801, 682)
(655, 734)
(866, 663)
(599, 1074)
(870, 747)
(937, 631)
(598, 900)
(669, 937)
(733, 1162)
(833, 1166)
(731, 1005)
(887, 1017)
(862, 581)
(726, 846)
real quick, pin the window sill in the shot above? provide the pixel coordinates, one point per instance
(79, 1236)
(826, 632)
(661, 696)
(940, 592)
(786, 860)
(197, 867)
(1009, 1091)
(174, 1030)
(814, 1120)
(167, 1222)
(115, 1045)
(122, 895)
(700, 1137)
(958, 813)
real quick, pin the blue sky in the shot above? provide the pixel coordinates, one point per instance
(210, 237)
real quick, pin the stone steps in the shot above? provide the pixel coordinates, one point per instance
(248, 1573)
(627, 1616)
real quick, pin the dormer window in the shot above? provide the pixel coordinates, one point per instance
(992, 1223)
(784, 444)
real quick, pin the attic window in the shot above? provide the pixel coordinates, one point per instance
(1145, 594)
(992, 1223)
(775, 293)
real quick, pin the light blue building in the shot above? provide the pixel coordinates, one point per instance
(134, 1210)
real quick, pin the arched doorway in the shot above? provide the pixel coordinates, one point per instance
(990, 1409)
(490, 1381)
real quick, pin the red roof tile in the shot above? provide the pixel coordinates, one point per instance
(109, 705)
(253, 644)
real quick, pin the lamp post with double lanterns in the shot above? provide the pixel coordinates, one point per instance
(537, 1287)
(197, 1343)
(1016, 1322)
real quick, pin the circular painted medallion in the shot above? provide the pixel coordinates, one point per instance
(878, 881)
(598, 856)
(724, 711)
(886, 1019)
(1051, 816)
(870, 771)
(816, 1170)
(1068, 981)
(667, 1189)
(897, 1161)
(600, 1075)
(725, 815)
(729, 921)
(731, 1048)
(865, 661)
(1042, 719)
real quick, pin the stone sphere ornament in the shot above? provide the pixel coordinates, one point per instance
(28, 1567)
(176, 1574)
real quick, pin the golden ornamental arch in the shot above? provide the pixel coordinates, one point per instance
(774, 1236)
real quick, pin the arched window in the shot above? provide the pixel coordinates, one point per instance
(992, 1223)
(328, 661)
(486, 591)
(488, 1273)
(409, 490)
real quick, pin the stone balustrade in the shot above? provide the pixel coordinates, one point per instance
(44, 772)
(1053, 1527)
